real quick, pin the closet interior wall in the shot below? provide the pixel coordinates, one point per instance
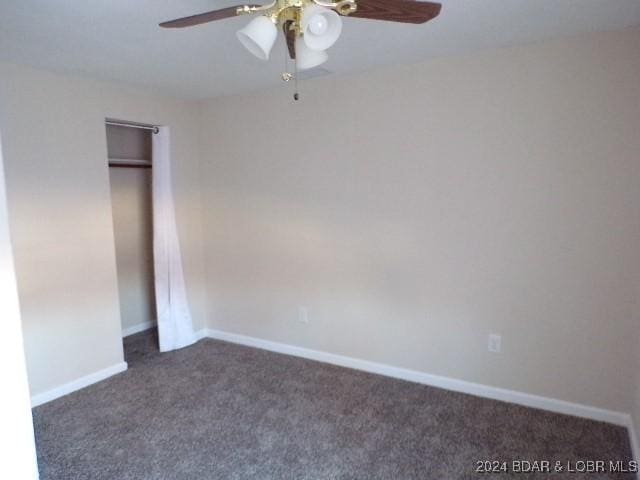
(133, 227)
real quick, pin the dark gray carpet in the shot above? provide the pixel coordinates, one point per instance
(221, 411)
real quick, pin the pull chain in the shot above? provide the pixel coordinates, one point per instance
(296, 95)
(286, 75)
(285, 72)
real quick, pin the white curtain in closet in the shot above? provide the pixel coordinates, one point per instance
(175, 327)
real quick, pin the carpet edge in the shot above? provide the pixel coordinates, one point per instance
(447, 383)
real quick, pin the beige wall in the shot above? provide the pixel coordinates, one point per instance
(416, 210)
(413, 211)
(133, 232)
(60, 211)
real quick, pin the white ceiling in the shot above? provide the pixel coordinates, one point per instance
(120, 40)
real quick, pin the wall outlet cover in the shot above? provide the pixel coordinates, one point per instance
(303, 314)
(495, 343)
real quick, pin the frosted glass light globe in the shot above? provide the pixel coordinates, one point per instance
(259, 36)
(320, 27)
(318, 24)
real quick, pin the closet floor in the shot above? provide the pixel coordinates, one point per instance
(221, 411)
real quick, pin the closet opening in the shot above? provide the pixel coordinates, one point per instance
(129, 148)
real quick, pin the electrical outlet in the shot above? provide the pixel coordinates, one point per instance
(495, 343)
(303, 314)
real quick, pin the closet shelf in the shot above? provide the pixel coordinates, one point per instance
(129, 163)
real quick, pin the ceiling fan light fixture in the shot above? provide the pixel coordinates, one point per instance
(321, 27)
(259, 36)
(307, 58)
(310, 27)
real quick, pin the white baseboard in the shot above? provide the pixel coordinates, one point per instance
(511, 396)
(635, 444)
(85, 381)
(140, 327)
(204, 333)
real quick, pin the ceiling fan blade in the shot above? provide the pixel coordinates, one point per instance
(405, 11)
(204, 17)
(290, 35)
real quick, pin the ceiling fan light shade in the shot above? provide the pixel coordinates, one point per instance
(307, 58)
(259, 36)
(321, 27)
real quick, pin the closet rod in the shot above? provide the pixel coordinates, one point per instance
(153, 128)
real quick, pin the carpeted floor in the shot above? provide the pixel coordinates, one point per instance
(222, 411)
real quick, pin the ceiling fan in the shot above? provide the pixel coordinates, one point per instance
(310, 26)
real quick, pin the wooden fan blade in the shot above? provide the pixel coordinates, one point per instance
(405, 11)
(204, 17)
(290, 35)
